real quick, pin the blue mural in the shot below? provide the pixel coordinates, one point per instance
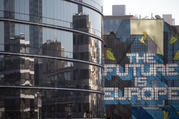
(141, 79)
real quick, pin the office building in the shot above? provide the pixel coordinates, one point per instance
(51, 59)
(124, 35)
(168, 18)
(118, 10)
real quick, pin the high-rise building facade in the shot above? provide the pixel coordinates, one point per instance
(126, 41)
(118, 10)
(50, 59)
(168, 18)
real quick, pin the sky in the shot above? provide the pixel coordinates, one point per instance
(145, 7)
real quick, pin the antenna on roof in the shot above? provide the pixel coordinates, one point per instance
(152, 16)
(158, 17)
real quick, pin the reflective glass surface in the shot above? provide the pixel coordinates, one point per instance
(48, 104)
(28, 71)
(49, 42)
(95, 3)
(50, 59)
(58, 12)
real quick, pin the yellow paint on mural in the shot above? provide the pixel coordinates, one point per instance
(173, 40)
(142, 40)
(165, 115)
(153, 29)
(176, 56)
(110, 55)
(145, 36)
(178, 113)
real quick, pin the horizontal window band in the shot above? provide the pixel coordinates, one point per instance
(52, 88)
(50, 57)
(85, 5)
(50, 26)
(41, 17)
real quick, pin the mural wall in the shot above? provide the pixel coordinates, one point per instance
(141, 69)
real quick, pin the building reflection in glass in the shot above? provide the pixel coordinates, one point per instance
(46, 72)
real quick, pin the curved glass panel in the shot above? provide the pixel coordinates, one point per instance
(20, 38)
(28, 71)
(48, 104)
(49, 67)
(95, 3)
(58, 12)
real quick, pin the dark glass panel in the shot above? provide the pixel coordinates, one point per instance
(48, 104)
(28, 71)
(58, 12)
(26, 39)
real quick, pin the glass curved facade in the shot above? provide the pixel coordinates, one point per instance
(50, 59)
